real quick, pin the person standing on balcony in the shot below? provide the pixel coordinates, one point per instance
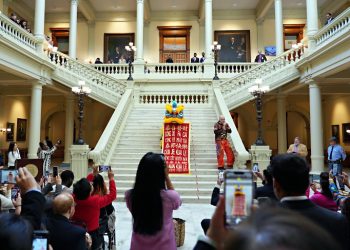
(221, 129)
(297, 148)
(329, 18)
(202, 58)
(195, 59)
(169, 59)
(336, 156)
(260, 58)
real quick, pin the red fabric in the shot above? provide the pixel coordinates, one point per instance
(222, 147)
(88, 211)
(90, 177)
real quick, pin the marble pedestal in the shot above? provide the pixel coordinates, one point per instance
(260, 155)
(79, 160)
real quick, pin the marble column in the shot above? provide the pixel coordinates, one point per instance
(139, 30)
(208, 8)
(73, 29)
(279, 27)
(39, 19)
(35, 120)
(68, 136)
(282, 124)
(312, 22)
(316, 127)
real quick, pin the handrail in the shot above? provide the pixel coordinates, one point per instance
(340, 23)
(93, 76)
(242, 154)
(113, 129)
(17, 32)
(244, 79)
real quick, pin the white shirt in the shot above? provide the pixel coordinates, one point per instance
(12, 157)
(294, 198)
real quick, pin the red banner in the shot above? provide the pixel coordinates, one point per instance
(176, 147)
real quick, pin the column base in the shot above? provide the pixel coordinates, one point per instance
(79, 160)
(261, 155)
(32, 156)
(317, 164)
(139, 69)
(209, 70)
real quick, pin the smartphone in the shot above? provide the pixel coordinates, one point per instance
(221, 176)
(8, 176)
(54, 171)
(104, 168)
(40, 240)
(14, 193)
(256, 167)
(238, 190)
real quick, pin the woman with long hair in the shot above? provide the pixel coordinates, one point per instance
(325, 197)
(151, 203)
(13, 155)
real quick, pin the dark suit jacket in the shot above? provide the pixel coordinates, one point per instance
(332, 222)
(33, 203)
(263, 58)
(64, 235)
(200, 245)
(194, 60)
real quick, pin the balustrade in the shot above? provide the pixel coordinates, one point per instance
(180, 98)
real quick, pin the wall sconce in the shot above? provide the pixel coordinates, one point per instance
(4, 130)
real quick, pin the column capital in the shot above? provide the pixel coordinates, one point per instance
(309, 80)
(75, 2)
(140, 1)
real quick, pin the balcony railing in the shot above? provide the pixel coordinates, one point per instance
(235, 68)
(113, 69)
(180, 98)
(17, 33)
(339, 25)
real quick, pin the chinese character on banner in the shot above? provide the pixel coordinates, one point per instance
(177, 152)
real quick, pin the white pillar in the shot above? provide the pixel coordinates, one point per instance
(39, 20)
(139, 30)
(73, 29)
(316, 127)
(35, 120)
(208, 9)
(79, 160)
(279, 27)
(68, 136)
(282, 124)
(312, 22)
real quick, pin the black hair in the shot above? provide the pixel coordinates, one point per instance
(90, 161)
(146, 200)
(291, 172)
(11, 147)
(268, 175)
(49, 144)
(275, 228)
(324, 182)
(67, 177)
(82, 189)
(11, 227)
(41, 145)
(99, 184)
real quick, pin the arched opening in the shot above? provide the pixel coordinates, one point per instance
(298, 125)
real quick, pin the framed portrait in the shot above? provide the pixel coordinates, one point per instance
(10, 131)
(335, 131)
(235, 45)
(346, 132)
(21, 129)
(114, 47)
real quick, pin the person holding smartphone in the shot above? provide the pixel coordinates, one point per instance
(46, 154)
(221, 129)
(13, 155)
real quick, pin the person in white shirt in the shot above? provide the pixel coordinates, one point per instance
(13, 155)
(45, 154)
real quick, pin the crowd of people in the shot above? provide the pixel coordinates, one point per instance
(21, 22)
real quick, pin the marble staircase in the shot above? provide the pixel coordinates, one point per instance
(142, 134)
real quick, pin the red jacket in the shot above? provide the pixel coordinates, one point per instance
(88, 211)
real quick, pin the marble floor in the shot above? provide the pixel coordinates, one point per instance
(192, 213)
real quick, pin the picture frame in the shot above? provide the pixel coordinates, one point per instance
(112, 41)
(235, 45)
(335, 131)
(10, 134)
(346, 132)
(21, 129)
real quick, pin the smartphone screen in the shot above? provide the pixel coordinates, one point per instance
(238, 196)
(54, 171)
(104, 168)
(256, 167)
(8, 176)
(14, 193)
(40, 240)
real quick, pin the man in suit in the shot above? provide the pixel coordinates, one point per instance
(290, 180)
(195, 59)
(336, 156)
(297, 148)
(202, 58)
(169, 59)
(267, 189)
(329, 18)
(260, 58)
(63, 234)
